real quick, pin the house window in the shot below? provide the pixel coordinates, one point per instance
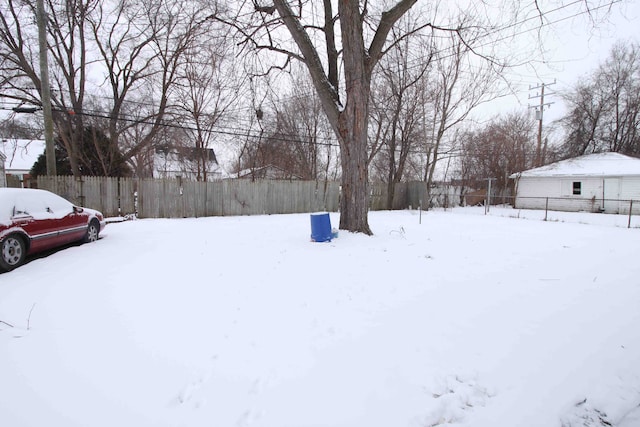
(577, 188)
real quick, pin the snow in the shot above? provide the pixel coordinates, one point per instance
(600, 164)
(440, 319)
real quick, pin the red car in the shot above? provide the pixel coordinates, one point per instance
(36, 220)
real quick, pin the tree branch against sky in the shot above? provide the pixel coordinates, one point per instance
(144, 50)
(340, 43)
(604, 108)
(357, 57)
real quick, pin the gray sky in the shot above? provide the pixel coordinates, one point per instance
(573, 48)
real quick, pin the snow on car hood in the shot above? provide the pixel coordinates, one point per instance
(38, 203)
(95, 213)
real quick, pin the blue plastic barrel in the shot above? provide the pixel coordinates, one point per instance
(320, 227)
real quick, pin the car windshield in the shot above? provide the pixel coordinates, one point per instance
(38, 204)
(55, 204)
(7, 202)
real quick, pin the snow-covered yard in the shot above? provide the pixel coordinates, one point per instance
(464, 320)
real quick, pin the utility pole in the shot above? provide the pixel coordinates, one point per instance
(539, 160)
(45, 91)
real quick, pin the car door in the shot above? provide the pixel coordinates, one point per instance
(70, 222)
(31, 215)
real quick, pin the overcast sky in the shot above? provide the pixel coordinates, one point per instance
(574, 43)
(573, 48)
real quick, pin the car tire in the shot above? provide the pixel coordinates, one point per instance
(93, 232)
(13, 251)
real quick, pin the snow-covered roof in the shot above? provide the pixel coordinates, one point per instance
(21, 154)
(267, 172)
(173, 164)
(601, 164)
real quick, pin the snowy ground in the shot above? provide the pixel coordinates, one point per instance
(462, 320)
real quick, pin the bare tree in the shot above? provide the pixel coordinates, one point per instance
(68, 47)
(207, 91)
(250, 153)
(139, 46)
(462, 81)
(14, 127)
(436, 103)
(171, 33)
(290, 137)
(396, 112)
(341, 51)
(125, 51)
(504, 146)
(301, 121)
(146, 47)
(604, 108)
(348, 116)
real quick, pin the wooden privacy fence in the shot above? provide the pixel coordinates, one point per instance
(175, 198)
(104, 194)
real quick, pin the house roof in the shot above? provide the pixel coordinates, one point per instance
(600, 165)
(267, 172)
(20, 154)
(176, 164)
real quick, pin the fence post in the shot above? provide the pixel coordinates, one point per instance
(630, 210)
(80, 180)
(546, 208)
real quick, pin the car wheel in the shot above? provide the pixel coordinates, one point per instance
(12, 252)
(92, 232)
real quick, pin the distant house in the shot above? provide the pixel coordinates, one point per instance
(186, 164)
(604, 182)
(20, 155)
(267, 172)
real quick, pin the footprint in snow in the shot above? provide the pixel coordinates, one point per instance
(454, 396)
(187, 394)
(584, 414)
(248, 418)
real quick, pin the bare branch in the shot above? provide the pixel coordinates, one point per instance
(328, 93)
(540, 13)
(7, 323)
(405, 36)
(388, 19)
(264, 9)
(332, 52)
(29, 318)
(275, 67)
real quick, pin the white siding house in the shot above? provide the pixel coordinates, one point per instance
(185, 164)
(20, 155)
(604, 182)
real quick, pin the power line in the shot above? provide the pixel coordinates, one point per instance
(251, 133)
(229, 132)
(506, 27)
(239, 132)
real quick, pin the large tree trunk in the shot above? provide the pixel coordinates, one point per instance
(354, 204)
(353, 123)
